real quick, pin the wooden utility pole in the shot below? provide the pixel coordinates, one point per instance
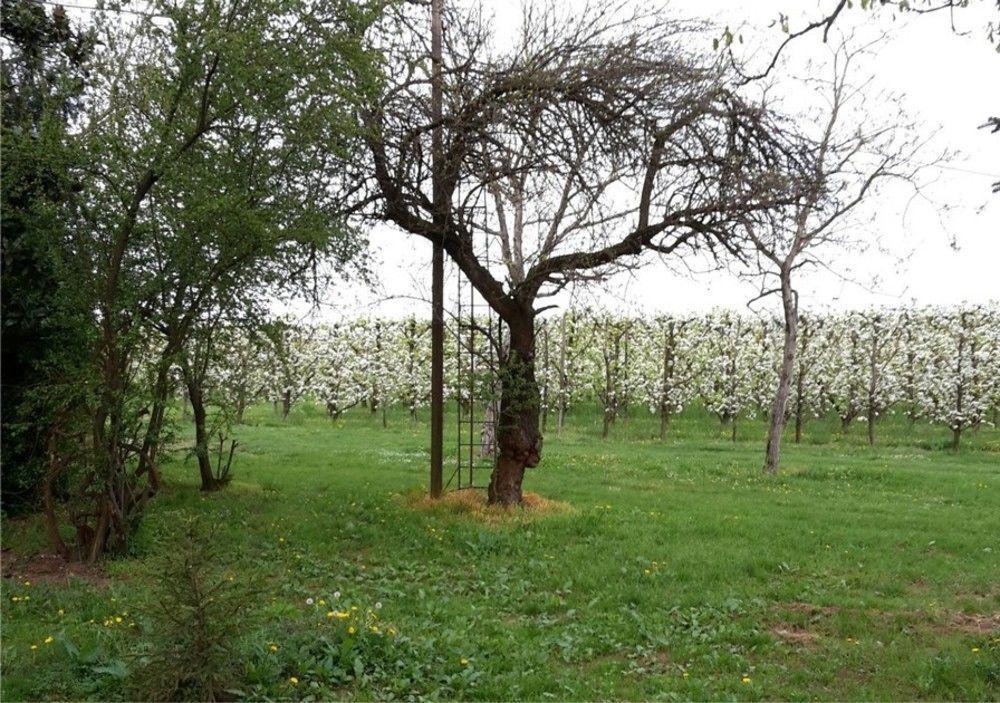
(437, 262)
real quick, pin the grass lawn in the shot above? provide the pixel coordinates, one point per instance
(678, 572)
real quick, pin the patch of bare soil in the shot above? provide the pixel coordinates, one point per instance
(975, 624)
(50, 568)
(966, 623)
(794, 635)
(471, 503)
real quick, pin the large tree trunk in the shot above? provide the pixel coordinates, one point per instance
(518, 437)
(772, 455)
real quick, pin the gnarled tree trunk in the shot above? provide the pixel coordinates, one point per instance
(518, 437)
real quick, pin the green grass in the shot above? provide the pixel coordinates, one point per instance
(680, 573)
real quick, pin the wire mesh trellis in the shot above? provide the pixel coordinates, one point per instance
(478, 344)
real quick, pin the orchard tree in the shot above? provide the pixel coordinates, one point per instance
(960, 385)
(734, 360)
(813, 358)
(846, 162)
(671, 365)
(336, 382)
(592, 138)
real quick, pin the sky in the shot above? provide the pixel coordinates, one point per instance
(949, 82)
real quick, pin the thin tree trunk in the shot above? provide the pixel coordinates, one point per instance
(208, 482)
(772, 454)
(49, 503)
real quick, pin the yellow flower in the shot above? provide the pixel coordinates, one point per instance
(27, 583)
(350, 630)
(273, 647)
(975, 649)
(465, 662)
(342, 614)
(330, 614)
(292, 680)
(322, 602)
(746, 679)
(34, 646)
(118, 618)
(60, 611)
(48, 640)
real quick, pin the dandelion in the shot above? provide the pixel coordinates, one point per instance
(49, 639)
(378, 605)
(975, 649)
(293, 680)
(273, 647)
(745, 679)
(350, 630)
(27, 583)
(465, 662)
(336, 594)
(330, 614)
(309, 601)
(60, 611)
(322, 602)
(34, 646)
(118, 618)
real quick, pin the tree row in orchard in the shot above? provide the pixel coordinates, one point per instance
(939, 365)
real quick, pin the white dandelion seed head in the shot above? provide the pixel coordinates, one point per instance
(309, 601)
(378, 605)
(336, 594)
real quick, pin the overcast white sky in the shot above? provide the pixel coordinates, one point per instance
(949, 82)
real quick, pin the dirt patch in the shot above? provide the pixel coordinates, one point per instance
(975, 624)
(52, 569)
(808, 608)
(793, 635)
(471, 503)
(949, 623)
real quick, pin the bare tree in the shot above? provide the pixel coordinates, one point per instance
(574, 148)
(845, 163)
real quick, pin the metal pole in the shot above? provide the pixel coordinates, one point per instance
(437, 263)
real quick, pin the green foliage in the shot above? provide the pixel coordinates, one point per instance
(44, 74)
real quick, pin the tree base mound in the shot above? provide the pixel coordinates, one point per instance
(471, 503)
